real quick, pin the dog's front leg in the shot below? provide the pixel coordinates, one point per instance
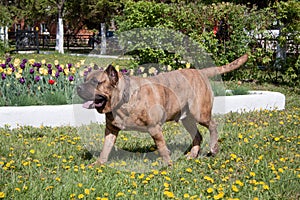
(109, 141)
(156, 134)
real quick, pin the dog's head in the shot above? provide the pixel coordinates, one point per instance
(97, 89)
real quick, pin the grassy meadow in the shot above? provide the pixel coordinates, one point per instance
(259, 159)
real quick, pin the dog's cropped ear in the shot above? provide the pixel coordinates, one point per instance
(112, 74)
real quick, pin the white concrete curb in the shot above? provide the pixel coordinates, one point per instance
(76, 115)
(256, 100)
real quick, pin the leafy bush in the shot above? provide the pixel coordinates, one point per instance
(242, 27)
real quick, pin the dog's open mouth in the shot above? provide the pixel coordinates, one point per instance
(99, 102)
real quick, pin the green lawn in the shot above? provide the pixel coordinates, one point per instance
(259, 159)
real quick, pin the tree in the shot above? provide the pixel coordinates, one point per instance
(60, 27)
(100, 13)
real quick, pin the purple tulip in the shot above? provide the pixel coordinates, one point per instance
(8, 59)
(24, 61)
(59, 68)
(31, 71)
(49, 71)
(69, 65)
(57, 74)
(3, 66)
(37, 79)
(49, 66)
(3, 76)
(12, 68)
(85, 73)
(22, 80)
(71, 78)
(22, 65)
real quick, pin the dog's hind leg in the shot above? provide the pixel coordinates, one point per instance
(213, 144)
(190, 125)
(156, 134)
(213, 137)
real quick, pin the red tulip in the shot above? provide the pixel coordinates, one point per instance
(51, 82)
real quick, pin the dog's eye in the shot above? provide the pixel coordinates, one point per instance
(100, 82)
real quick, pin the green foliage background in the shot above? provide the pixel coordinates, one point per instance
(197, 20)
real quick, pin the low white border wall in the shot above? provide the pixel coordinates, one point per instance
(76, 115)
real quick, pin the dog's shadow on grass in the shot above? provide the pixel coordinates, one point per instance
(139, 152)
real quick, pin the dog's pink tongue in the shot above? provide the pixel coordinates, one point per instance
(89, 105)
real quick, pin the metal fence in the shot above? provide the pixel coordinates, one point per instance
(27, 40)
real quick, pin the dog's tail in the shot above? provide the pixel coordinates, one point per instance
(213, 71)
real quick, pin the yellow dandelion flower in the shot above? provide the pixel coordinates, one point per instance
(209, 179)
(234, 188)
(266, 187)
(32, 151)
(163, 172)
(255, 198)
(219, 196)
(87, 191)
(277, 139)
(252, 174)
(120, 194)
(166, 185)
(189, 170)
(2, 195)
(80, 196)
(48, 187)
(233, 156)
(240, 183)
(141, 176)
(79, 184)
(209, 190)
(186, 196)
(169, 194)
(57, 179)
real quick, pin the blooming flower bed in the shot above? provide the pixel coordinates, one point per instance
(36, 80)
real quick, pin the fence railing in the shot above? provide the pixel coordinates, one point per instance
(31, 40)
(27, 40)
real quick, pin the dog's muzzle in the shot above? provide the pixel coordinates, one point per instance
(98, 103)
(92, 101)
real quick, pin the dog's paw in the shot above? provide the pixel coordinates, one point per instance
(94, 164)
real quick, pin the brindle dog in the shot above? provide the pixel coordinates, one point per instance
(144, 104)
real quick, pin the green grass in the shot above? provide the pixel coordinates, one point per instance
(259, 159)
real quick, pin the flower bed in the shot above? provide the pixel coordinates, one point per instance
(76, 115)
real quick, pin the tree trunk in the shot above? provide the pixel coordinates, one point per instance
(60, 36)
(103, 38)
(60, 28)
